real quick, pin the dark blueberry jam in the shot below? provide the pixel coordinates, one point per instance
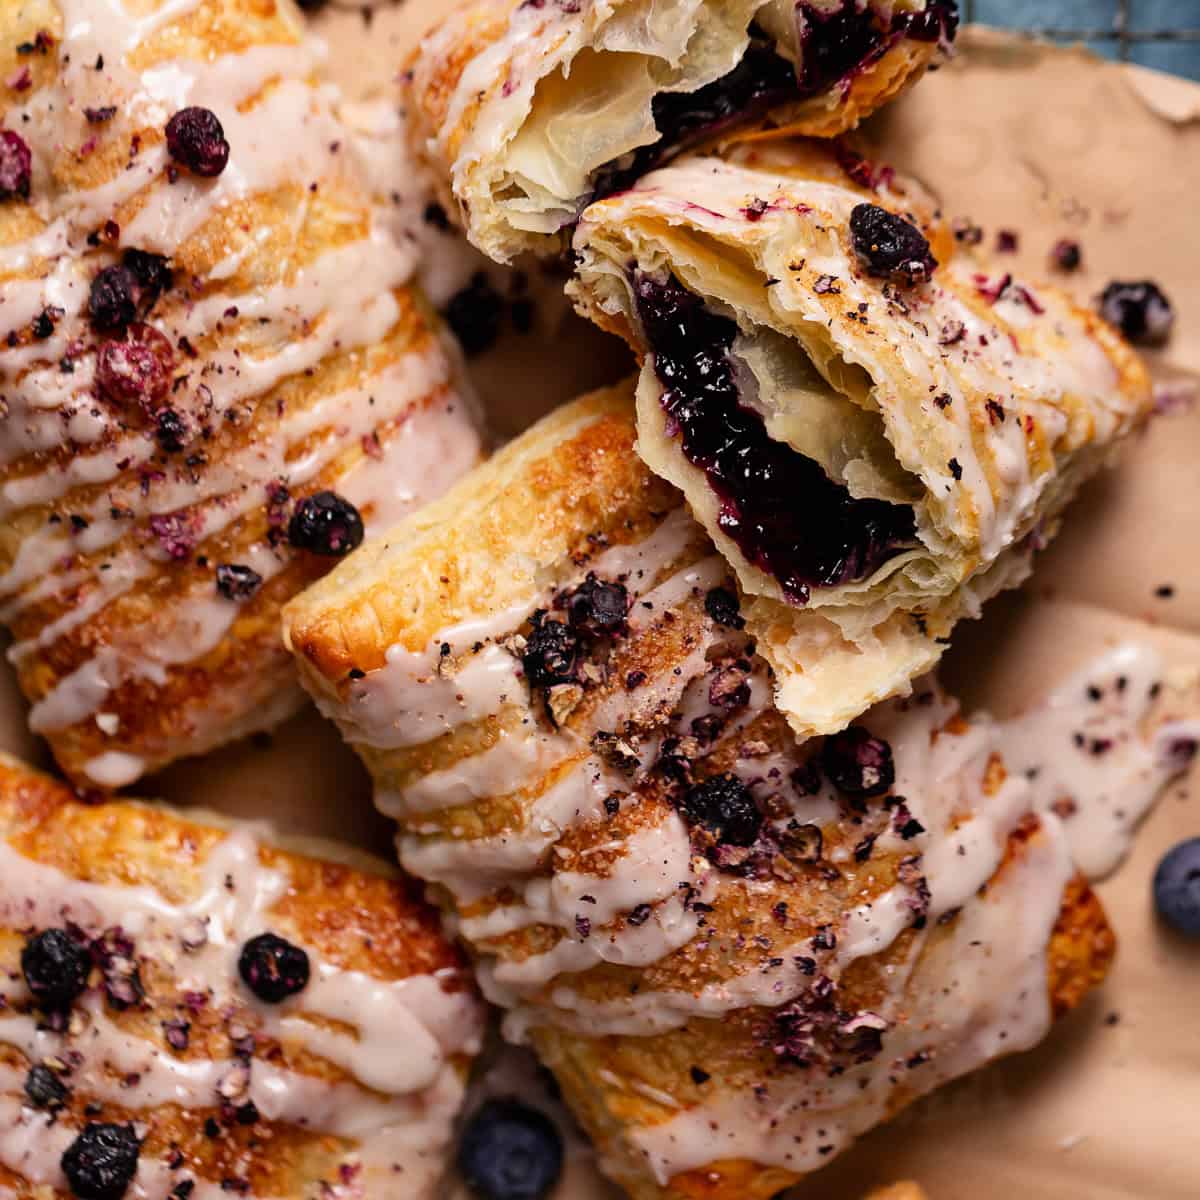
(781, 509)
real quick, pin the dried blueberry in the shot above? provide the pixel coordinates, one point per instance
(722, 606)
(112, 301)
(1066, 255)
(101, 1162)
(474, 314)
(236, 581)
(597, 607)
(151, 272)
(16, 165)
(1139, 310)
(136, 371)
(55, 967)
(723, 805)
(1177, 888)
(170, 430)
(272, 968)
(858, 763)
(889, 246)
(44, 1088)
(509, 1151)
(551, 652)
(327, 524)
(196, 140)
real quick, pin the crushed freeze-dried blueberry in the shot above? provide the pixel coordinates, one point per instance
(16, 165)
(272, 968)
(170, 430)
(551, 653)
(889, 246)
(196, 140)
(1140, 310)
(56, 966)
(236, 581)
(1066, 255)
(101, 1162)
(724, 806)
(326, 524)
(857, 763)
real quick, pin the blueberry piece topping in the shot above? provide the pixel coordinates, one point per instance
(474, 314)
(170, 431)
(196, 140)
(44, 1089)
(1066, 255)
(722, 606)
(780, 508)
(16, 165)
(1139, 310)
(724, 806)
(236, 581)
(326, 524)
(272, 968)
(857, 763)
(1177, 888)
(889, 246)
(101, 1162)
(55, 967)
(598, 608)
(551, 652)
(151, 273)
(135, 372)
(509, 1151)
(112, 301)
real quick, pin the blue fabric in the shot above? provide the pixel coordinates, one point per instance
(1144, 18)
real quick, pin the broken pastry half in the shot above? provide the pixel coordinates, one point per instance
(192, 1009)
(874, 430)
(531, 111)
(213, 372)
(737, 951)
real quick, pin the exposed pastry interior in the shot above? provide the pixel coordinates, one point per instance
(531, 111)
(206, 323)
(736, 950)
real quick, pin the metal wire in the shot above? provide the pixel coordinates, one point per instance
(1118, 32)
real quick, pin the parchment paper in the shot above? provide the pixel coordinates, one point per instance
(1047, 143)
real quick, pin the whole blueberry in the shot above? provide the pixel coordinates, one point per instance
(151, 272)
(16, 165)
(858, 763)
(474, 313)
(44, 1089)
(509, 1151)
(196, 140)
(55, 967)
(326, 524)
(889, 246)
(598, 607)
(551, 652)
(101, 1162)
(1140, 310)
(723, 805)
(235, 581)
(112, 300)
(1177, 888)
(272, 968)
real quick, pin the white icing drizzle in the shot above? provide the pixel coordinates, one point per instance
(404, 1090)
(341, 301)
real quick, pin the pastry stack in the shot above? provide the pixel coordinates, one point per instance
(647, 692)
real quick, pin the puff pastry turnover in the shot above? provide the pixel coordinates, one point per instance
(873, 430)
(204, 1013)
(187, 356)
(529, 111)
(737, 951)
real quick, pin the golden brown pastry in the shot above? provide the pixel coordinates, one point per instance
(530, 110)
(736, 951)
(192, 1011)
(204, 326)
(876, 431)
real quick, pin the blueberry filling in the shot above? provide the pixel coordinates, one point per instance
(780, 508)
(509, 1151)
(834, 44)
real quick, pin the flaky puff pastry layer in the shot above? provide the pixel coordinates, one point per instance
(967, 405)
(186, 358)
(736, 952)
(353, 1080)
(528, 111)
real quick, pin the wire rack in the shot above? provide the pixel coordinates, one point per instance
(1156, 33)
